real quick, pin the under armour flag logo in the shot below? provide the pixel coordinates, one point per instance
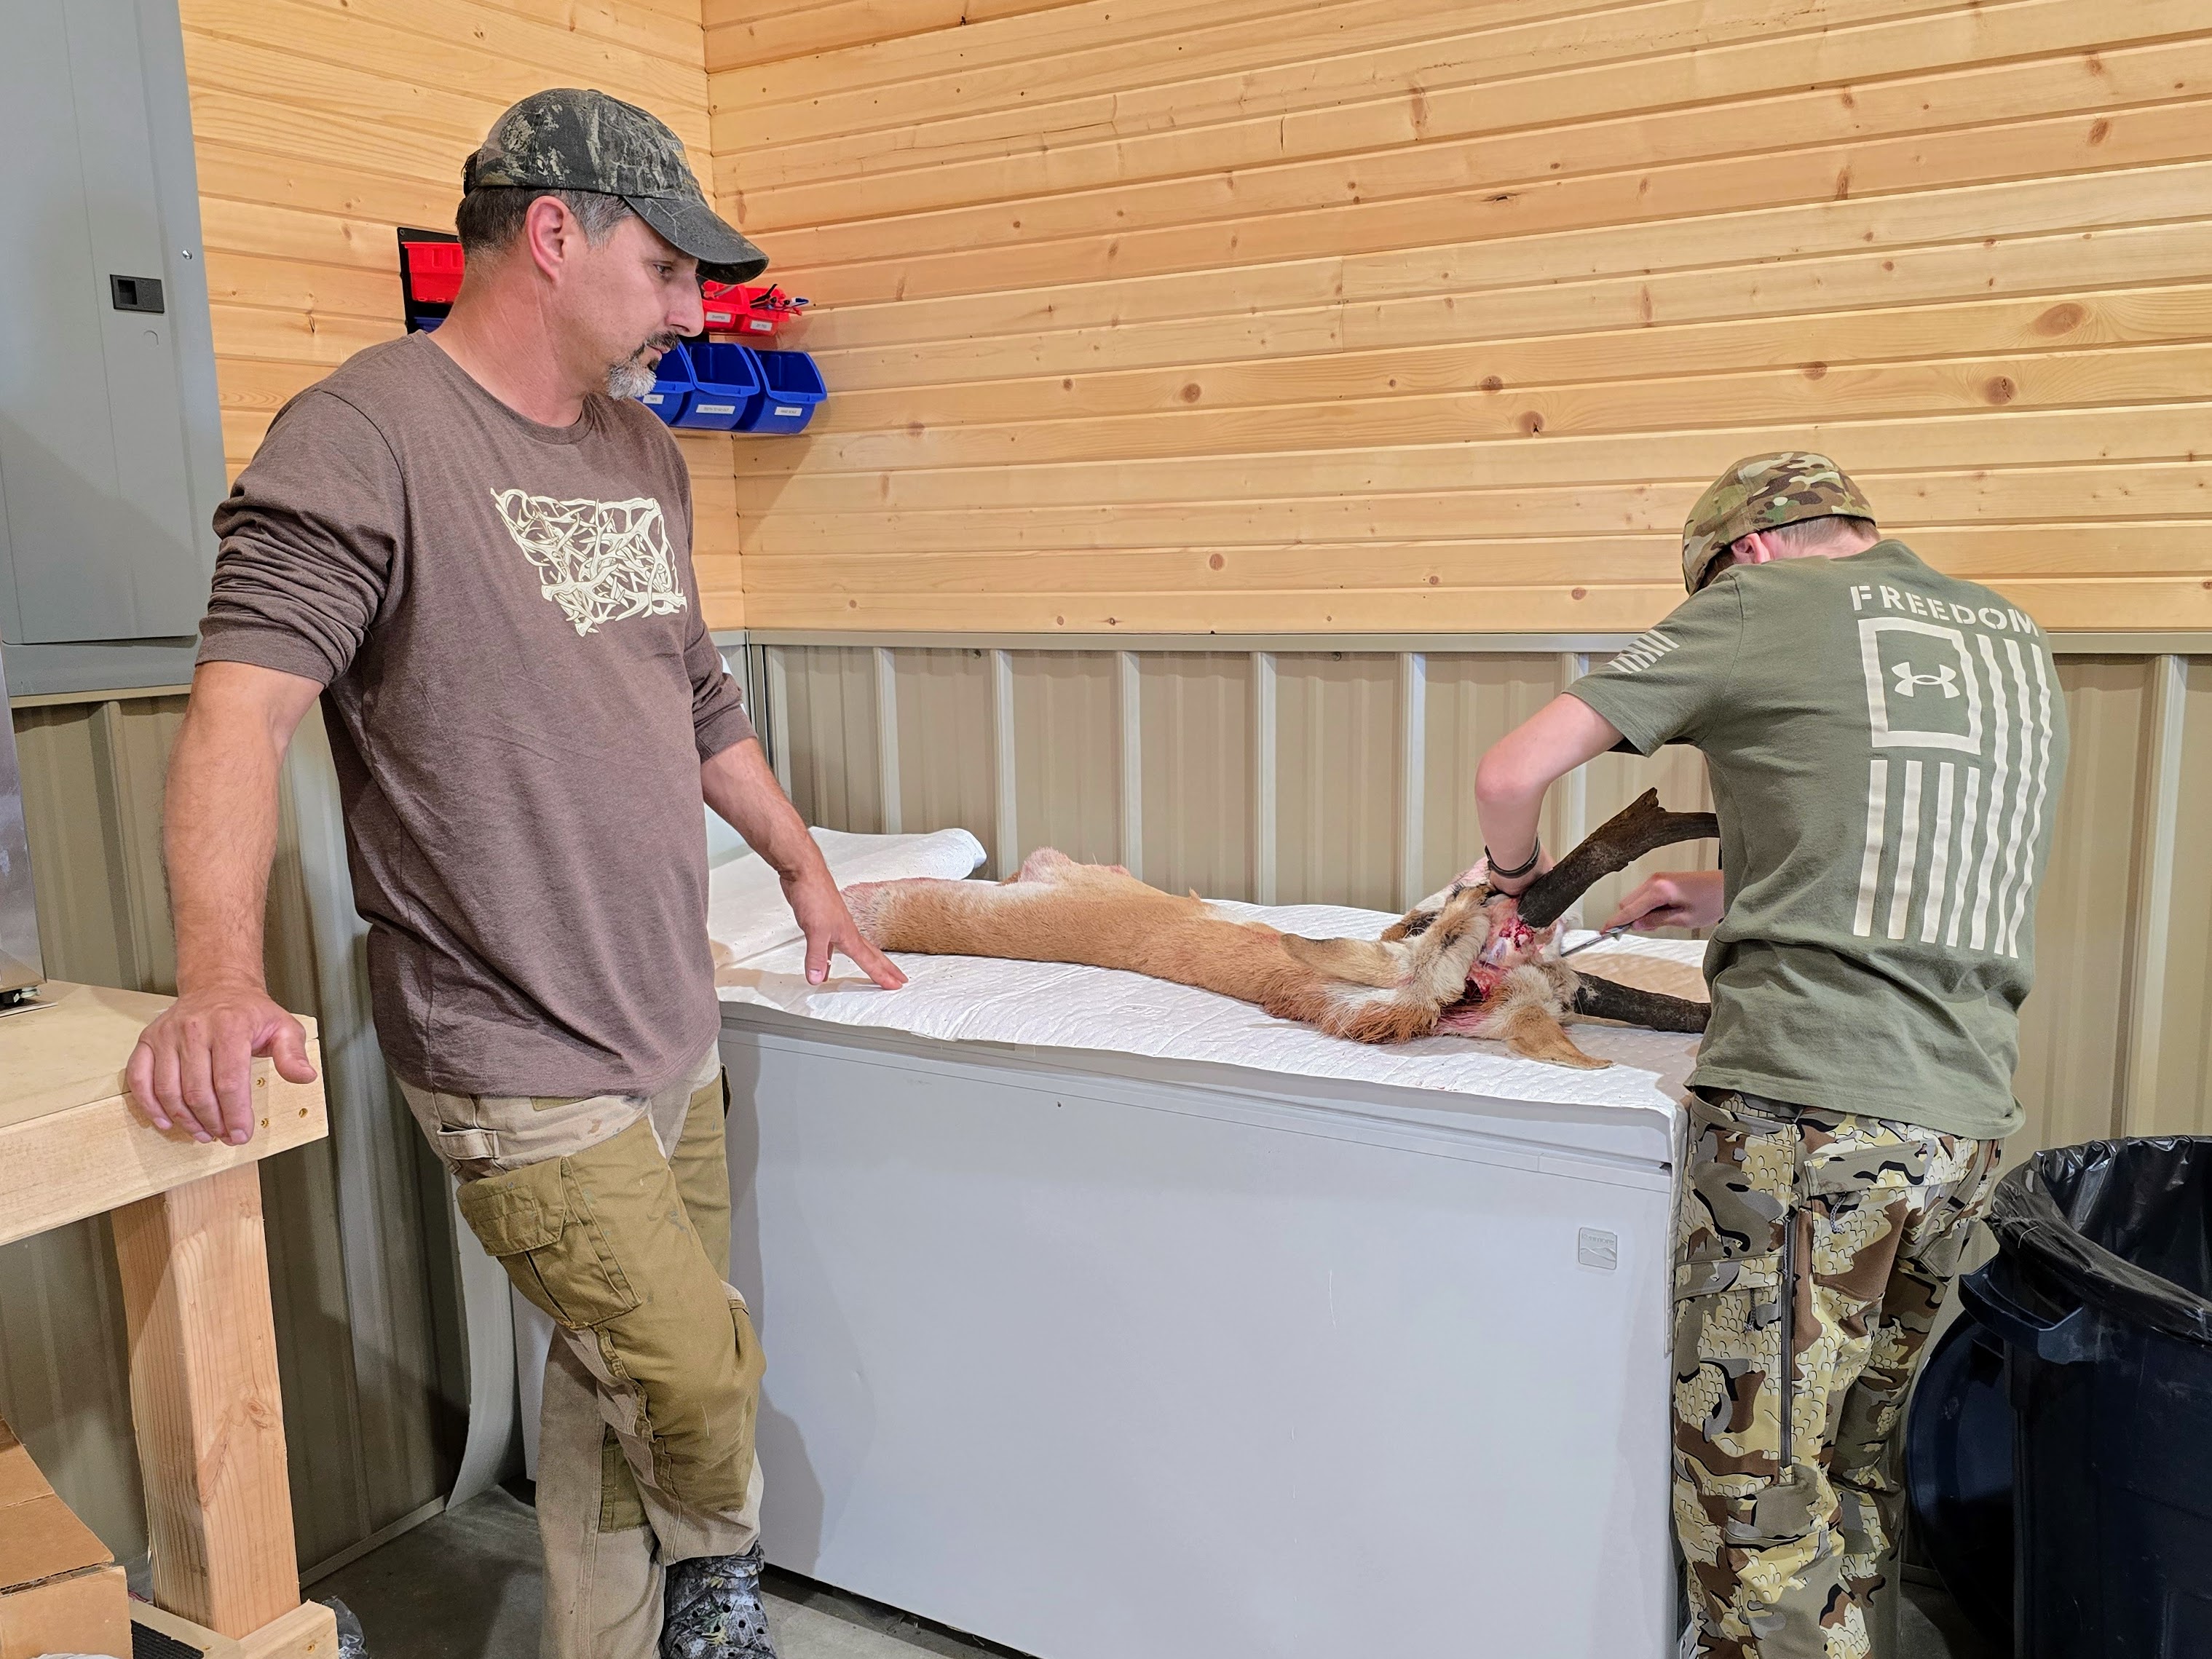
(1946, 676)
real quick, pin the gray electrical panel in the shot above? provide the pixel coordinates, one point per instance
(110, 439)
(20, 967)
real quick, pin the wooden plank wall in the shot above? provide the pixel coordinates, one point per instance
(321, 125)
(1341, 315)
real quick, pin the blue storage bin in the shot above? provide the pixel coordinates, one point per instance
(791, 390)
(671, 384)
(724, 381)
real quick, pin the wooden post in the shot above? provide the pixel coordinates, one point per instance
(203, 1391)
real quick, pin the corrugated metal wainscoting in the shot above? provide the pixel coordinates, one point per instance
(1288, 771)
(361, 1256)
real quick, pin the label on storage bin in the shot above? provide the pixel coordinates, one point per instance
(781, 411)
(650, 398)
(759, 325)
(714, 409)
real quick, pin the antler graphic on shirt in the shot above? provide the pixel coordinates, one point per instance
(600, 562)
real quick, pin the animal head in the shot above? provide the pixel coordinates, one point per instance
(1465, 932)
(1453, 950)
(1472, 961)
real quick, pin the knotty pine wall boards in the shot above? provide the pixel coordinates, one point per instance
(1285, 315)
(321, 125)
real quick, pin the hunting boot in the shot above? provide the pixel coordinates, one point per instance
(715, 1610)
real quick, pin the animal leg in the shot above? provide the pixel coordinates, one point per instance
(1047, 863)
(1354, 961)
(1532, 1033)
(1524, 1014)
(928, 914)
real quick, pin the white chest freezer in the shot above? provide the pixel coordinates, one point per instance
(1112, 1320)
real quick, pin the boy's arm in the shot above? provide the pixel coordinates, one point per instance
(1509, 784)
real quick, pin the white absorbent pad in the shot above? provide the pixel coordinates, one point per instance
(745, 909)
(1061, 1005)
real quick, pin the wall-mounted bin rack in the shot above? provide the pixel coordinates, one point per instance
(725, 382)
(791, 390)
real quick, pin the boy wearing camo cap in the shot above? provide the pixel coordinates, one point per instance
(1886, 745)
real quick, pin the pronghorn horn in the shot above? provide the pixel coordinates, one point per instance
(1603, 999)
(1643, 826)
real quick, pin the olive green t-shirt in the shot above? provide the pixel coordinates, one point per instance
(1886, 745)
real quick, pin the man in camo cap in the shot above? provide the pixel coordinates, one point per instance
(1885, 744)
(570, 139)
(475, 547)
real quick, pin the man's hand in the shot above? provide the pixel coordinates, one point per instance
(193, 1067)
(738, 784)
(1680, 898)
(829, 928)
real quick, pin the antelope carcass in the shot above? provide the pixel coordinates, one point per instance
(1467, 960)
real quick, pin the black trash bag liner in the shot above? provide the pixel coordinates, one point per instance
(2123, 1226)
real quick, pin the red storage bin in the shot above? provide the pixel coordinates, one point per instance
(434, 271)
(749, 312)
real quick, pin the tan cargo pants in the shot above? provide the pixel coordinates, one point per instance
(612, 1214)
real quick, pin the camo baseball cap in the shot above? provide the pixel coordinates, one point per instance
(1765, 492)
(570, 139)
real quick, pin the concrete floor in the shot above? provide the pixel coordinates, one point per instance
(466, 1586)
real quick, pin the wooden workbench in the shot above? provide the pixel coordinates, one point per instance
(195, 1268)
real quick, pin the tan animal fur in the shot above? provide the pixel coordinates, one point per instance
(1412, 982)
(1429, 972)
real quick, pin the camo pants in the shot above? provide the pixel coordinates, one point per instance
(1832, 1237)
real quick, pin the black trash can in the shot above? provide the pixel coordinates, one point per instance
(1957, 1474)
(2102, 1294)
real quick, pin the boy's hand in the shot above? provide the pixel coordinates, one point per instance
(1518, 884)
(1680, 898)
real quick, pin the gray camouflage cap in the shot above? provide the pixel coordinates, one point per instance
(569, 138)
(1765, 492)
